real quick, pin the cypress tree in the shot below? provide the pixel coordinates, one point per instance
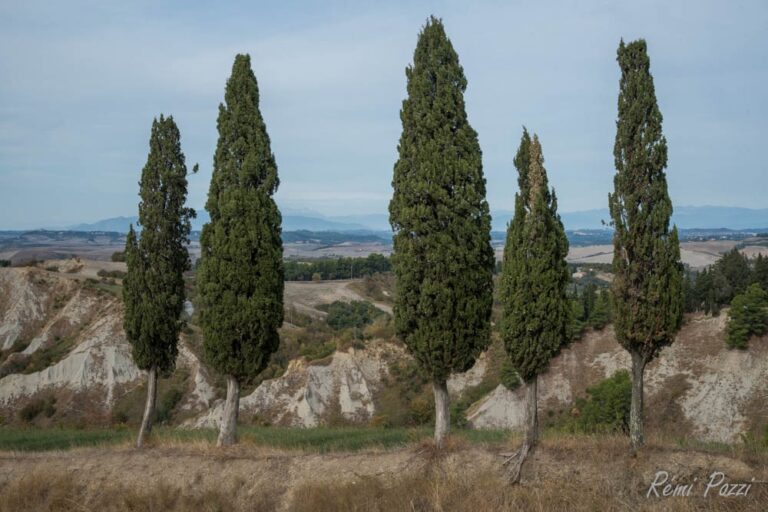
(153, 289)
(443, 259)
(601, 314)
(536, 309)
(647, 287)
(240, 277)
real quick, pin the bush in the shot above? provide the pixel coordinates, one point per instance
(318, 351)
(355, 314)
(607, 407)
(5, 263)
(167, 404)
(509, 376)
(118, 256)
(33, 409)
(748, 317)
(115, 274)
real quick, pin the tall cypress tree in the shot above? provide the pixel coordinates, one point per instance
(241, 270)
(442, 258)
(536, 310)
(153, 289)
(648, 283)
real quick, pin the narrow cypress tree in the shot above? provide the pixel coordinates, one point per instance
(241, 271)
(153, 289)
(648, 283)
(442, 258)
(536, 310)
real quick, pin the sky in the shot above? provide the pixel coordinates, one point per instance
(80, 83)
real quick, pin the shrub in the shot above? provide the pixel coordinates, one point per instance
(5, 263)
(607, 407)
(748, 317)
(509, 376)
(167, 404)
(40, 405)
(118, 256)
(355, 314)
(318, 350)
(115, 274)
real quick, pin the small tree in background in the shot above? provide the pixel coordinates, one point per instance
(748, 317)
(648, 276)
(760, 272)
(240, 279)
(443, 259)
(153, 288)
(534, 284)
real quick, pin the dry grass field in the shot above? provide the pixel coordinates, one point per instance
(567, 472)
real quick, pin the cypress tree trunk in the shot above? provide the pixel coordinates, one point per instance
(442, 412)
(228, 427)
(636, 409)
(531, 431)
(149, 408)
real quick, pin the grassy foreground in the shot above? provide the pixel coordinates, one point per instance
(319, 439)
(185, 473)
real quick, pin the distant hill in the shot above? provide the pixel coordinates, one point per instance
(290, 223)
(686, 217)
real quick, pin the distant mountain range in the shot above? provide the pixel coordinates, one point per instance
(686, 217)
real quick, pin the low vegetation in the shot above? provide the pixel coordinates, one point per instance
(335, 268)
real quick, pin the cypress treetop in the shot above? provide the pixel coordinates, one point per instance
(442, 258)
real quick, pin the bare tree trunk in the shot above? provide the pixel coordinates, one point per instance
(531, 434)
(442, 412)
(149, 407)
(636, 409)
(228, 427)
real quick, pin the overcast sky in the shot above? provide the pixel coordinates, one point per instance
(81, 81)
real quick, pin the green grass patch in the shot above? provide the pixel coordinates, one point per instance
(319, 439)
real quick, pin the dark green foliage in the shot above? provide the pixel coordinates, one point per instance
(118, 256)
(760, 272)
(338, 268)
(717, 285)
(734, 267)
(748, 317)
(509, 376)
(153, 289)
(601, 312)
(356, 314)
(5, 263)
(317, 351)
(166, 403)
(240, 277)
(578, 323)
(442, 258)
(536, 311)
(115, 274)
(648, 279)
(607, 407)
